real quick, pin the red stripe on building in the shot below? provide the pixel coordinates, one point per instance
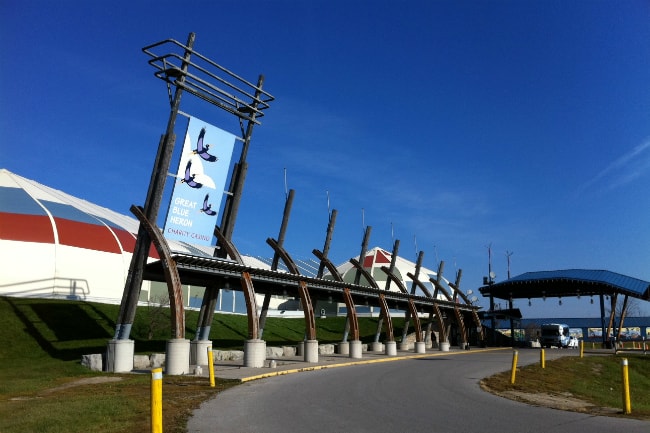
(128, 242)
(26, 228)
(83, 235)
(382, 257)
(126, 239)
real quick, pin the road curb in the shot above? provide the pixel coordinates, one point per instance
(364, 362)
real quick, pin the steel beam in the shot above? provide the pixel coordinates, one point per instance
(174, 285)
(414, 312)
(352, 319)
(310, 321)
(251, 305)
(388, 323)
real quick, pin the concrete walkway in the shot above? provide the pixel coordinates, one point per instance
(234, 370)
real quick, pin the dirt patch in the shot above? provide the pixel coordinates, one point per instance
(562, 401)
(79, 382)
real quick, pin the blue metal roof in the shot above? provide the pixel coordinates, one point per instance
(568, 282)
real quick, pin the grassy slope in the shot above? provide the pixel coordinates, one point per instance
(594, 379)
(41, 343)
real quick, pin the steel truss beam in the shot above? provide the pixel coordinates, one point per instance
(305, 299)
(436, 309)
(198, 270)
(246, 284)
(173, 280)
(383, 305)
(414, 312)
(347, 297)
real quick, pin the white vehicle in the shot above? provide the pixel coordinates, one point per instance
(573, 343)
(555, 334)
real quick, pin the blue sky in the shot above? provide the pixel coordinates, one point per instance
(450, 125)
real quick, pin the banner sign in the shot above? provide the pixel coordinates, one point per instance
(200, 182)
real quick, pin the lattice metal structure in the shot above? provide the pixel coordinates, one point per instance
(186, 70)
(207, 80)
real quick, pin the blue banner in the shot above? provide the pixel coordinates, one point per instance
(200, 182)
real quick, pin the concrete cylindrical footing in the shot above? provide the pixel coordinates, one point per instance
(119, 356)
(344, 348)
(300, 349)
(444, 346)
(199, 352)
(420, 347)
(376, 346)
(254, 353)
(311, 351)
(391, 348)
(404, 345)
(177, 357)
(356, 349)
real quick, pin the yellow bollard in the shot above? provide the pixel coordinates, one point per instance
(582, 349)
(542, 358)
(515, 355)
(626, 388)
(156, 400)
(211, 366)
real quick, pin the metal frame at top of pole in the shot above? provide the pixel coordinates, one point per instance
(181, 67)
(151, 207)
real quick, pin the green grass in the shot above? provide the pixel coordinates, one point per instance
(42, 341)
(594, 379)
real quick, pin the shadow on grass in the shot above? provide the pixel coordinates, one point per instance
(52, 324)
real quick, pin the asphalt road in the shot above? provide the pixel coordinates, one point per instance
(437, 394)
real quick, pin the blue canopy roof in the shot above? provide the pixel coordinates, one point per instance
(568, 282)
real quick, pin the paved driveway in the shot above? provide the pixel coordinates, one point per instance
(433, 394)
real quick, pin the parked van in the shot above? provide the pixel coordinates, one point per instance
(555, 334)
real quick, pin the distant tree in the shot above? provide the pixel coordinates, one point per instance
(532, 331)
(633, 307)
(157, 315)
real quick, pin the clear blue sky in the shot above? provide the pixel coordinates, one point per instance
(517, 124)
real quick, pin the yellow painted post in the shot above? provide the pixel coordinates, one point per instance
(582, 349)
(626, 388)
(211, 366)
(515, 355)
(542, 358)
(156, 400)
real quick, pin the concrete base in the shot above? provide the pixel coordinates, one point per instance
(420, 347)
(311, 351)
(119, 356)
(344, 348)
(177, 357)
(254, 353)
(199, 352)
(404, 345)
(376, 346)
(300, 349)
(444, 346)
(356, 349)
(391, 348)
(463, 346)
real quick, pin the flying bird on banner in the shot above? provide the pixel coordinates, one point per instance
(201, 179)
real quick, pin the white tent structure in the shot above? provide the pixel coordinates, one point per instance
(376, 258)
(58, 246)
